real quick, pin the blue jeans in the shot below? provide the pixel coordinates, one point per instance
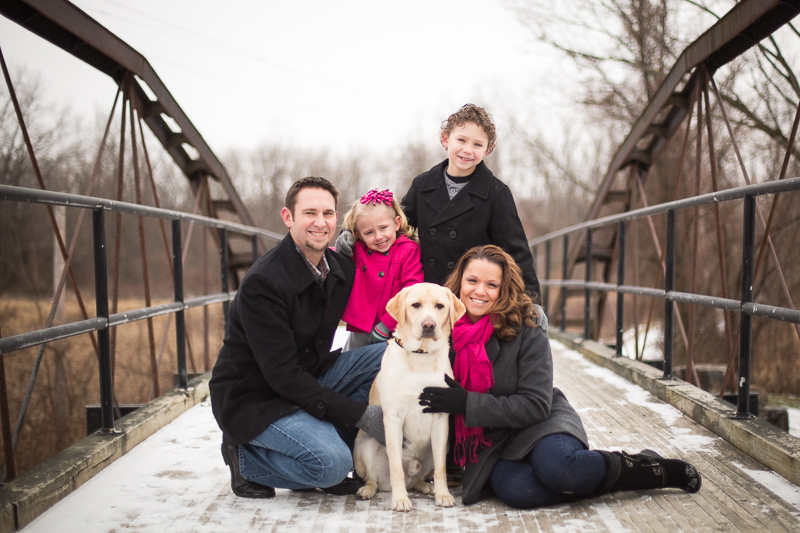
(300, 451)
(558, 466)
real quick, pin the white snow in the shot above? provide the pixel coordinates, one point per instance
(634, 394)
(175, 481)
(794, 422)
(653, 343)
(787, 491)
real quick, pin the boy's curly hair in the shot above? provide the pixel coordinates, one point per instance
(476, 115)
(513, 308)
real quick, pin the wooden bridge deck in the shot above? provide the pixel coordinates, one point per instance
(176, 481)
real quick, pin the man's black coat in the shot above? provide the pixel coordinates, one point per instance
(282, 323)
(483, 212)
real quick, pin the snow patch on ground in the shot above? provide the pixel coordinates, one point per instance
(653, 343)
(683, 439)
(634, 394)
(777, 484)
(794, 422)
(176, 481)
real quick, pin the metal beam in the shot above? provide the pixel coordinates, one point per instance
(740, 29)
(69, 28)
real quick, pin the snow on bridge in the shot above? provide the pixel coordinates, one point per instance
(176, 481)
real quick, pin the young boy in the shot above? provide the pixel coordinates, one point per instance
(459, 203)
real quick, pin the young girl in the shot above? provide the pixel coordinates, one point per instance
(387, 259)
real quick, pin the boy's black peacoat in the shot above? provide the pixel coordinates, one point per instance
(483, 212)
(282, 323)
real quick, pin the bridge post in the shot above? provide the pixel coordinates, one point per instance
(546, 292)
(103, 338)
(746, 320)
(669, 286)
(223, 265)
(587, 293)
(180, 318)
(564, 273)
(620, 282)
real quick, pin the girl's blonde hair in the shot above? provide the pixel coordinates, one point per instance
(360, 206)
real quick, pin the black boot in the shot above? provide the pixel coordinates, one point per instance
(647, 470)
(240, 486)
(348, 485)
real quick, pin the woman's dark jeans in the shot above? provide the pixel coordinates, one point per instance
(558, 467)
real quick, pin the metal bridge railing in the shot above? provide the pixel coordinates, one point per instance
(744, 305)
(103, 321)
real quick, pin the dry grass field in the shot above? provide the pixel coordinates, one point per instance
(68, 378)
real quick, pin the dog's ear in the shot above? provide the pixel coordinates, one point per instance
(396, 307)
(457, 309)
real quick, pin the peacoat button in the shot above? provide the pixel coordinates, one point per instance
(453, 234)
(364, 268)
(320, 405)
(432, 262)
(381, 274)
(369, 252)
(319, 343)
(432, 231)
(450, 264)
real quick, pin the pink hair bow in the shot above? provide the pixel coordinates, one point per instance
(378, 197)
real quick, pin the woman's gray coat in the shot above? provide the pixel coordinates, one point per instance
(521, 408)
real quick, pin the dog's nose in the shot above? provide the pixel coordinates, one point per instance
(428, 327)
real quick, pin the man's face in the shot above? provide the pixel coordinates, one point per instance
(313, 223)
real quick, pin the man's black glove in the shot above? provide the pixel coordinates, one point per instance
(452, 399)
(372, 422)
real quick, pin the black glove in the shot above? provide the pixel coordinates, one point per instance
(372, 422)
(452, 399)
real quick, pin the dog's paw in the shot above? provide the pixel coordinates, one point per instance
(423, 487)
(368, 491)
(445, 500)
(401, 504)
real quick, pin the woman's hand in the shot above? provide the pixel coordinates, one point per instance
(452, 399)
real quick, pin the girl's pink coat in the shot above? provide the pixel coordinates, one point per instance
(371, 291)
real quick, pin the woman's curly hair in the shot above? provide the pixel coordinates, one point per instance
(476, 115)
(513, 307)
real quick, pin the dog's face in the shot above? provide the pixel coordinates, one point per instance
(425, 311)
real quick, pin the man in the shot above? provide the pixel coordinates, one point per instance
(286, 404)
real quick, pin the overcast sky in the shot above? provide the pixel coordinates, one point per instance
(348, 75)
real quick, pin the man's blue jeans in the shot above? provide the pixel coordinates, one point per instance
(300, 451)
(558, 466)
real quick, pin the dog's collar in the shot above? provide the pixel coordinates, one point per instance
(400, 344)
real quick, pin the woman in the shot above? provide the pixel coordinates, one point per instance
(516, 433)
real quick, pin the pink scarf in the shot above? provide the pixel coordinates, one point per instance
(473, 371)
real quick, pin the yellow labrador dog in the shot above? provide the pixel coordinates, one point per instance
(416, 357)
